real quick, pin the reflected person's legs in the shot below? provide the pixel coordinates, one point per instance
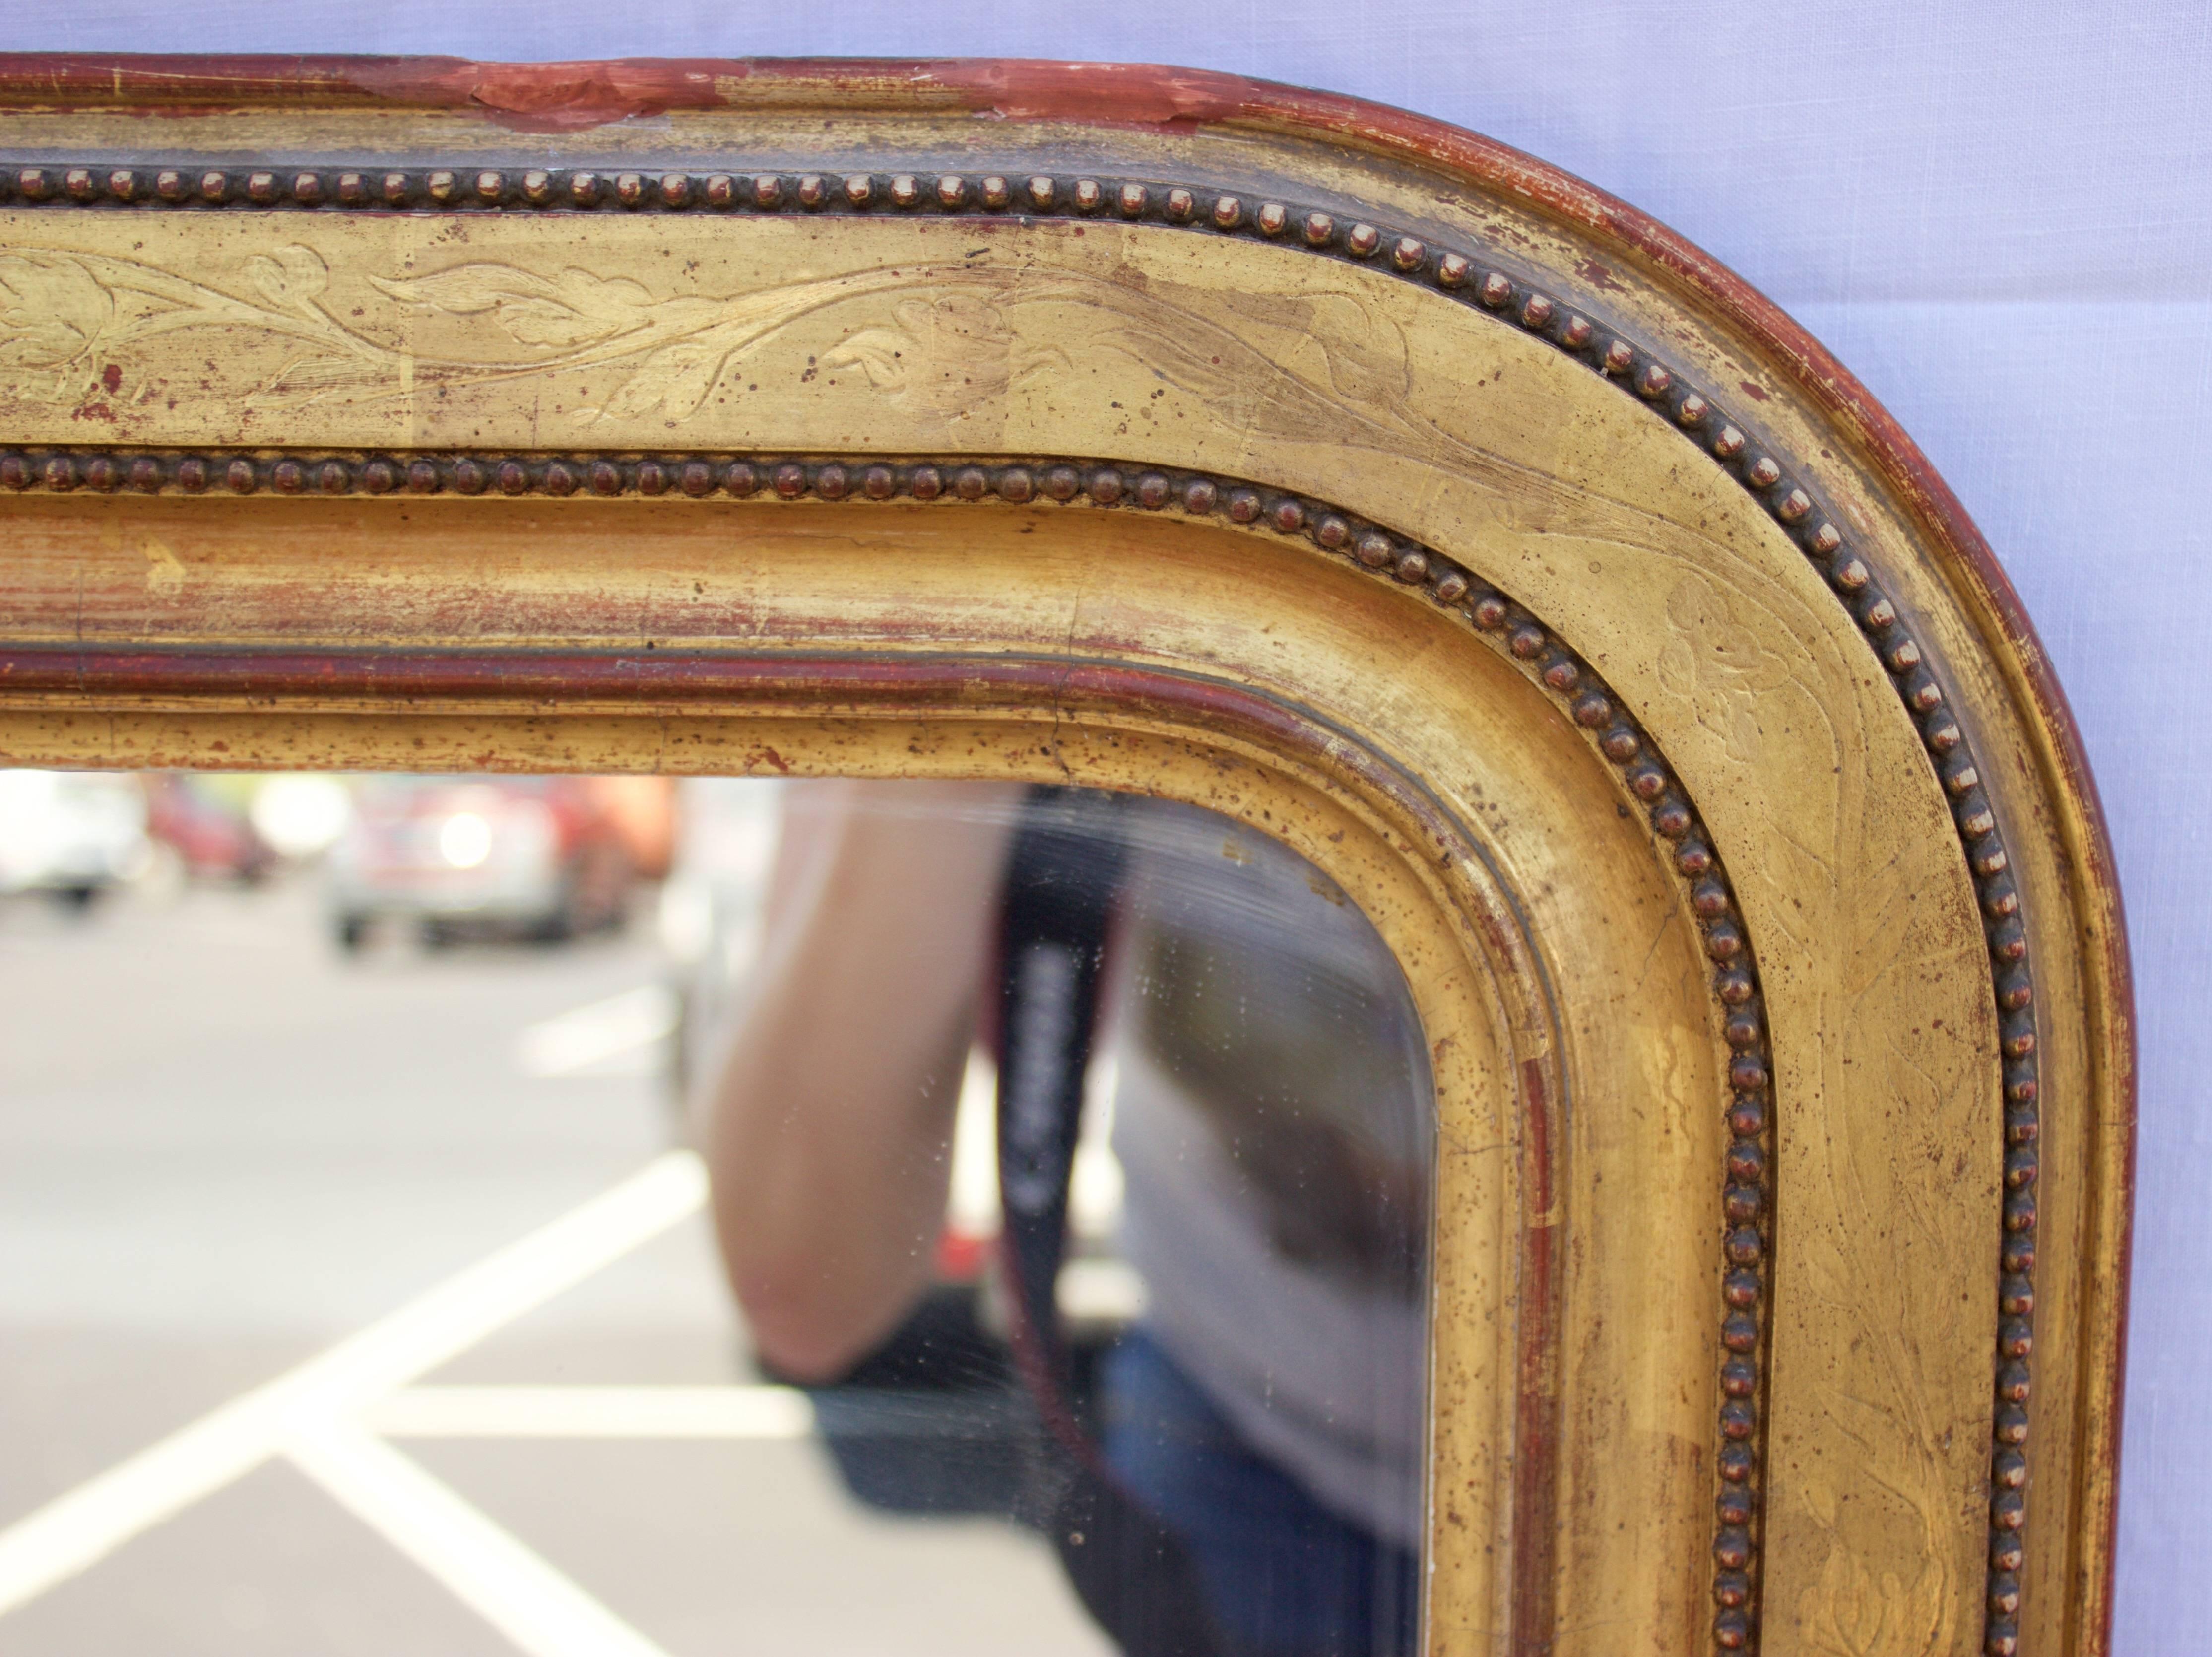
(1284, 1576)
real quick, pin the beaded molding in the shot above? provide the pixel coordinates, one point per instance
(1635, 369)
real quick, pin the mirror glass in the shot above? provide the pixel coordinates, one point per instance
(580, 1215)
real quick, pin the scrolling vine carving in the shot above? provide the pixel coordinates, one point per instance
(66, 311)
(949, 345)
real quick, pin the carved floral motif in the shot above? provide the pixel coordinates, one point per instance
(68, 313)
(1327, 368)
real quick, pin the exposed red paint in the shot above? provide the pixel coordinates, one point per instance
(570, 95)
(1758, 394)
(1600, 278)
(1536, 1404)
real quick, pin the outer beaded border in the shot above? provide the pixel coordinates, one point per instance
(198, 188)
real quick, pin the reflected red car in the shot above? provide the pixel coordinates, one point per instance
(211, 835)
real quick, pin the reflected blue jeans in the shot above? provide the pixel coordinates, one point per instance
(1283, 1576)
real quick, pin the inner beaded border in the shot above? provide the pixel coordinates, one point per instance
(1506, 626)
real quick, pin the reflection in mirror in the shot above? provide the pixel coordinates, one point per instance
(1069, 1158)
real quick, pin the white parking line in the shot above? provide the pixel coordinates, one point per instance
(586, 1038)
(82, 1526)
(693, 1413)
(541, 1610)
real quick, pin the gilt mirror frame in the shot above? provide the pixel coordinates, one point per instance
(1338, 470)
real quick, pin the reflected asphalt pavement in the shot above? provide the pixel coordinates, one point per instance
(223, 1149)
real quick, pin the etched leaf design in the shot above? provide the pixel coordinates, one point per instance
(314, 376)
(880, 353)
(1851, 1612)
(1256, 360)
(1713, 655)
(1363, 352)
(53, 310)
(288, 277)
(463, 291)
(562, 311)
(1366, 351)
(949, 355)
(675, 379)
(549, 322)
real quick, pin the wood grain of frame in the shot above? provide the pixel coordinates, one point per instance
(1343, 472)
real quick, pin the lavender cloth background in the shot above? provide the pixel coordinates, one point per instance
(1999, 216)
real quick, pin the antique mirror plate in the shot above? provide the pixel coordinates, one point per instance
(1344, 473)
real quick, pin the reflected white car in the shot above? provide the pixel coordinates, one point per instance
(72, 833)
(532, 857)
(711, 906)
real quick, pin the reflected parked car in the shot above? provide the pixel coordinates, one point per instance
(72, 833)
(206, 821)
(503, 856)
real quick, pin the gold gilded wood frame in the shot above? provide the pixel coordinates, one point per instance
(1341, 472)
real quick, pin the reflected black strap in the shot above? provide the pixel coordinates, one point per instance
(1063, 881)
